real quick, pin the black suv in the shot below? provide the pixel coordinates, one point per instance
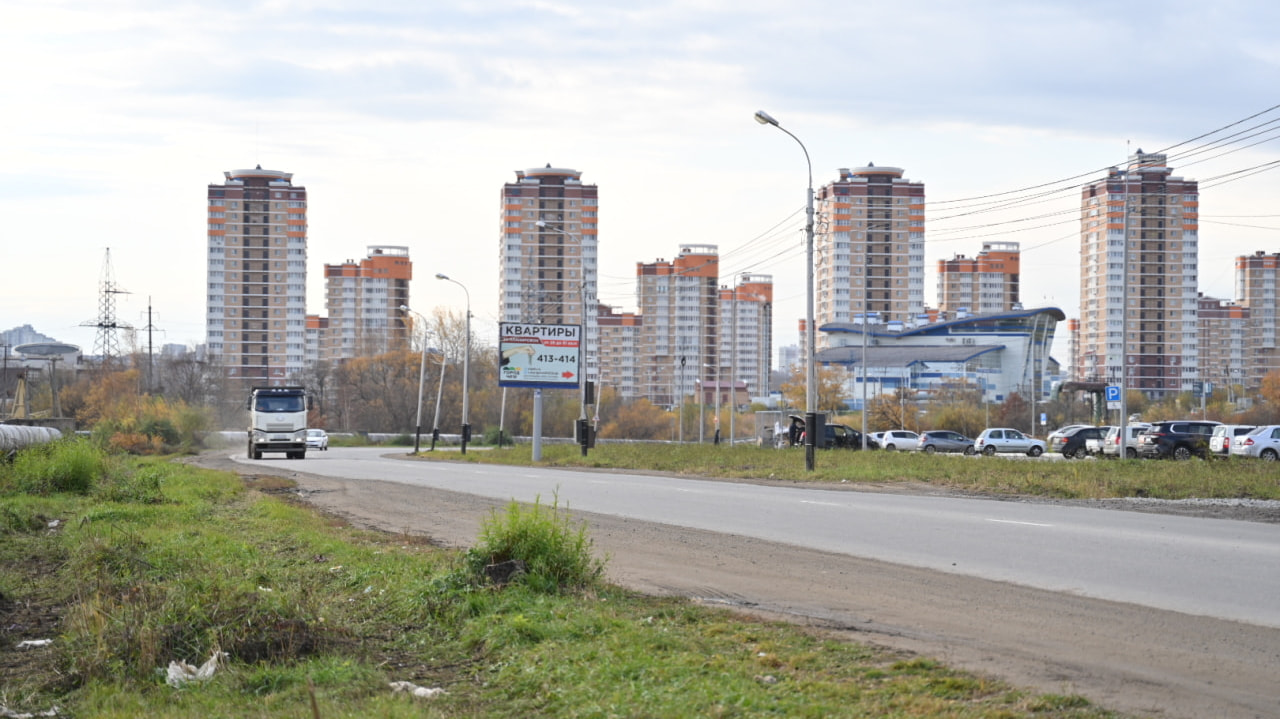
(1182, 439)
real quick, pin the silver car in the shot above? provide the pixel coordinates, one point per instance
(317, 439)
(1002, 439)
(942, 440)
(1263, 443)
(1111, 444)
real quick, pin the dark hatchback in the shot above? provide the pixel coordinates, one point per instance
(1181, 439)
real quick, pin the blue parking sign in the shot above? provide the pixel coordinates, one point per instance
(1113, 393)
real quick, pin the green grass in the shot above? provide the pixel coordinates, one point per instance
(157, 562)
(1067, 479)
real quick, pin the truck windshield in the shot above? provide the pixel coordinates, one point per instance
(279, 404)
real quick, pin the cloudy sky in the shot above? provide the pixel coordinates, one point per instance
(404, 119)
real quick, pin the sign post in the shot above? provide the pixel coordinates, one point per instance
(542, 357)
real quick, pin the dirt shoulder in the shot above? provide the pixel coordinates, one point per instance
(1125, 657)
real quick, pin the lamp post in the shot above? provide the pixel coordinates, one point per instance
(582, 313)
(810, 372)
(435, 424)
(466, 365)
(422, 374)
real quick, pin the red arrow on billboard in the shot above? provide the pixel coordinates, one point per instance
(567, 374)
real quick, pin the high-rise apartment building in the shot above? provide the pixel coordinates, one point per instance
(1256, 283)
(363, 300)
(746, 334)
(621, 354)
(548, 253)
(679, 303)
(1223, 341)
(257, 276)
(869, 250)
(1153, 300)
(986, 284)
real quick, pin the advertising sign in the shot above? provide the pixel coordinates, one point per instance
(537, 355)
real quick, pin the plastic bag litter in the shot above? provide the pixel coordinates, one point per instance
(415, 690)
(180, 672)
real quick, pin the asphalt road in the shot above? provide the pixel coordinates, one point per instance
(1210, 567)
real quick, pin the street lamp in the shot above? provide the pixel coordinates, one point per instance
(422, 373)
(810, 373)
(466, 365)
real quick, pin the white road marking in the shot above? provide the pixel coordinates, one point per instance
(1011, 521)
(823, 504)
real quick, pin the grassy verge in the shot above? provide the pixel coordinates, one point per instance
(151, 562)
(1067, 479)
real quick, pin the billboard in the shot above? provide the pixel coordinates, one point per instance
(537, 355)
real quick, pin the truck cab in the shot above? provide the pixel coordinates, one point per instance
(277, 421)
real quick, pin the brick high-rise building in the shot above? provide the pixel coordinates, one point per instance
(1224, 340)
(869, 253)
(1257, 279)
(548, 253)
(257, 276)
(1160, 352)
(678, 301)
(622, 357)
(363, 300)
(746, 334)
(986, 284)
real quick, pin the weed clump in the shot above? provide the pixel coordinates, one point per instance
(69, 465)
(555, 552)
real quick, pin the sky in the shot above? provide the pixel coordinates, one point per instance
(404, 119)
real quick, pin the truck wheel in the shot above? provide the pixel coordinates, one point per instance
(1181, 453)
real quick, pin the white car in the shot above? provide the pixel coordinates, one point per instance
(317, 439)
(899, 439)
(1263, 443)
(1111, 445)
(1224, 436)
(1002, 439)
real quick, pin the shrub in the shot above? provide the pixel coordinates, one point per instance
(556, 554)
(71, 465)
(491, 435)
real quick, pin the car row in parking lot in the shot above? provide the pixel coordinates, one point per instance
(1171, 439)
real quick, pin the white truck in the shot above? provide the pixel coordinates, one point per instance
(278, 421)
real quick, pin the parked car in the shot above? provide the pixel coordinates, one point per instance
(899, 439)
(317, 439)
(1071, 444)
(1223, 436)
(1093, 445)
(841, 436)
(838, 436)
(1179, 439)
(1111, 443)
(1055, 438)
(1002, 439)
(1263, 442)
(944, 440)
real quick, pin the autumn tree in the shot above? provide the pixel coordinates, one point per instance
(829, 386)
(638, 419)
